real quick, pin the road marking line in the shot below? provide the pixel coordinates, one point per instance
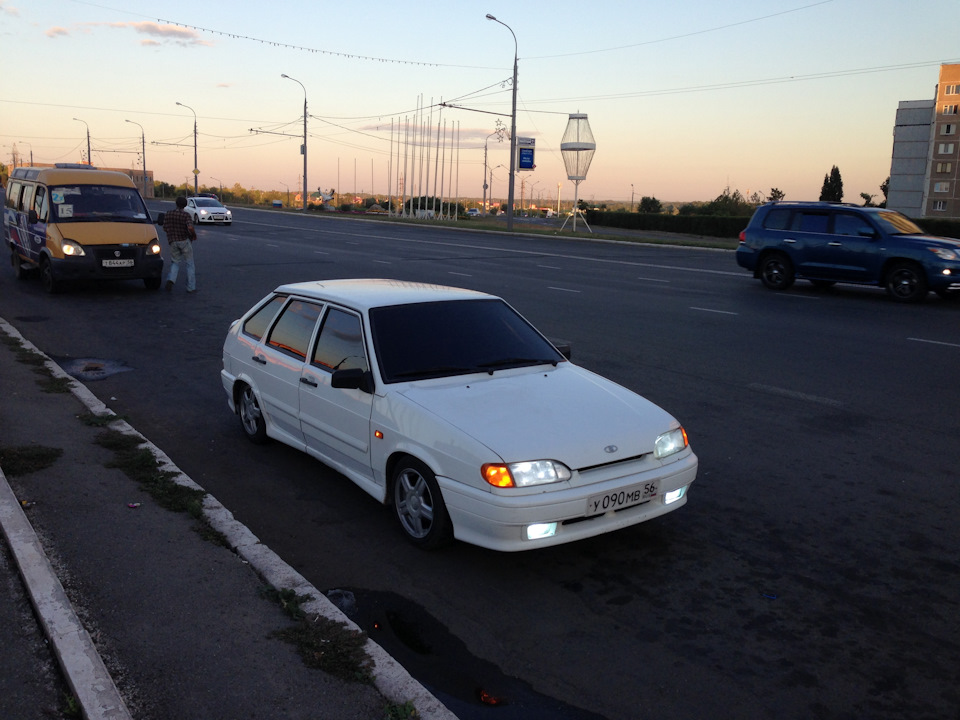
(934, 342)
(795, 395)
(719, 312)
(649, 279)
(549, 267)
(564, 289)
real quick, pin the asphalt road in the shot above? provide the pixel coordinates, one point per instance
(812, 574)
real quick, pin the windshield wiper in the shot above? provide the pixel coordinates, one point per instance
(505, 363)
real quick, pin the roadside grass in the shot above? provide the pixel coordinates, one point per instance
(322, 643)
(38, 363)
(94, 420)
(140, 465)
(401, 711)
(17, 461)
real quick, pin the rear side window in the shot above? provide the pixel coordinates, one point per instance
(812, 222)
(778, 219)
(340, 344)
(292, 332)
(257, 324)
(13, 194)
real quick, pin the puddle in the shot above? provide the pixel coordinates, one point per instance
(89, 369)
(472, 688)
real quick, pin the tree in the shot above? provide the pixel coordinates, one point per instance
(650, 205)
(868, 199)
(885, 188)
(776, 195)
(832, 190)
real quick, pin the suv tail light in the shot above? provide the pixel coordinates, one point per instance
(743, 236)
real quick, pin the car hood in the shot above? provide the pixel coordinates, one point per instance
(564, 413)
(934, 241)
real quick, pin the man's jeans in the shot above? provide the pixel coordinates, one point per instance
(182, 252)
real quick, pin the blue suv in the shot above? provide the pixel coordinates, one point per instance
(827, 243)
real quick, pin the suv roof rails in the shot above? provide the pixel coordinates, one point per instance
(74, 166)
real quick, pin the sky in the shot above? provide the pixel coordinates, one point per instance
(683, 98)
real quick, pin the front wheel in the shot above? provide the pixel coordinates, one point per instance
(47, 278)
(418, 505)
(776, 271)
(251, 418)
(906, 283)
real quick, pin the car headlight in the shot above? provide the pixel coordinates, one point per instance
(154, 248)
(945, 253)
(669, 443)
(525, 474)
(204, 212)
(72, 249)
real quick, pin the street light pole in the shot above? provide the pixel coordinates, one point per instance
(304, 139)
(513, 125)
(143, 144)
(89, 158)
(485, 172)
(196, 171)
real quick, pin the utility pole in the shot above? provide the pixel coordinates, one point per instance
(89, 157)
(196, 170)
(513, 126)
(304, 148)
(143, 155)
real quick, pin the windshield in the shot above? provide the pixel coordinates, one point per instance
(206, 202)
(96, 203)
(456, 337)
(896, 224)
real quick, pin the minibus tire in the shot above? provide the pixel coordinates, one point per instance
(49, 282)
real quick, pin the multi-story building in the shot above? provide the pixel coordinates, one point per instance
(925, 168)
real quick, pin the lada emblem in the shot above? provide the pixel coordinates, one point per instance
(610, 449)
(116, 253)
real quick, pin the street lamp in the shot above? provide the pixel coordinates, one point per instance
(513, 125)
(89, 158)
(221, 186)
(288, 191)
(143, 143)
(631, 197)
(304, 149)
(196, 172)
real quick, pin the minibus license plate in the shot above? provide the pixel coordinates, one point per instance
(122, 262)
(619, 499)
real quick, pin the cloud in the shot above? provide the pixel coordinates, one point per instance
(9, 10)
(156, 34)
(56, 31)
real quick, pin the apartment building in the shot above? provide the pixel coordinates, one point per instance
(925, 166)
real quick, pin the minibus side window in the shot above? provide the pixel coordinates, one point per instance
(25, 197)
(40, 204)
(13, 194)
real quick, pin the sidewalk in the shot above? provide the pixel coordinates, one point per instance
(160, 623)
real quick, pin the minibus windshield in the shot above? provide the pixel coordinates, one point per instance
(96, 203)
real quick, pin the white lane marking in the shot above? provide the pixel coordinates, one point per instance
(460, 274)
(649, 279)
(320, 252)
(783, 392)
(569, 290)
(934, 342)
(719, 312)
(549, 267)
(384, 262)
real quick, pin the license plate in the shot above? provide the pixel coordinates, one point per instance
(619, 499)
(123, 262)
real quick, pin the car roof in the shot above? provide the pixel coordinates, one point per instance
(366, 293)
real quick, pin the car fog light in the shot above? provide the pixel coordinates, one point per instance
(541, 530)
(674, 495)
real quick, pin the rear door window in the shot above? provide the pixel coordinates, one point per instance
(256, 325)
(292, 332)
(778, 219)
(812, 222)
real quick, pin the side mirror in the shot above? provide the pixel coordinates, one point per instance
(159, 220)
(353, 379)
(32, 218)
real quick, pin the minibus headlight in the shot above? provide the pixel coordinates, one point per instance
(72, 249)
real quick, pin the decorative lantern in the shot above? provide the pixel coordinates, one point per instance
(577, 148)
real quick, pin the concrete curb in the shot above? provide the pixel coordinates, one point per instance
(389, 677)
(82, 666)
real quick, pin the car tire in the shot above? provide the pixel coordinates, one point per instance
(418, 505)
(906, 282)
(19, 271)
(47, 278)
(196, 219)
(251, 417)
(776, 271)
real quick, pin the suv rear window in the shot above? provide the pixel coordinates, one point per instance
(811, 222)
(778, 219)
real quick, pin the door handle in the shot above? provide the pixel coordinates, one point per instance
(309, 381)
(834, 244)
(258, 359)
(789, 240)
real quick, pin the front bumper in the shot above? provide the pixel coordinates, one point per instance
(498, 521)
(109, 262)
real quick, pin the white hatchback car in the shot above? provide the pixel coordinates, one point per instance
(208, 210)
(449, 406)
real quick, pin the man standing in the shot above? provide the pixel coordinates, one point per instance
(180, 235)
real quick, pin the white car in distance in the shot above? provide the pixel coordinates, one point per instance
(208, 210)
(447, 405)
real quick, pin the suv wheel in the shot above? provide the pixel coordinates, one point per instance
(906, 282)
(776, 271)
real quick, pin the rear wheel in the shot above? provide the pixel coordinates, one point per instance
(906, 282)
(776, 271)
(251, 418)
(418, 505)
